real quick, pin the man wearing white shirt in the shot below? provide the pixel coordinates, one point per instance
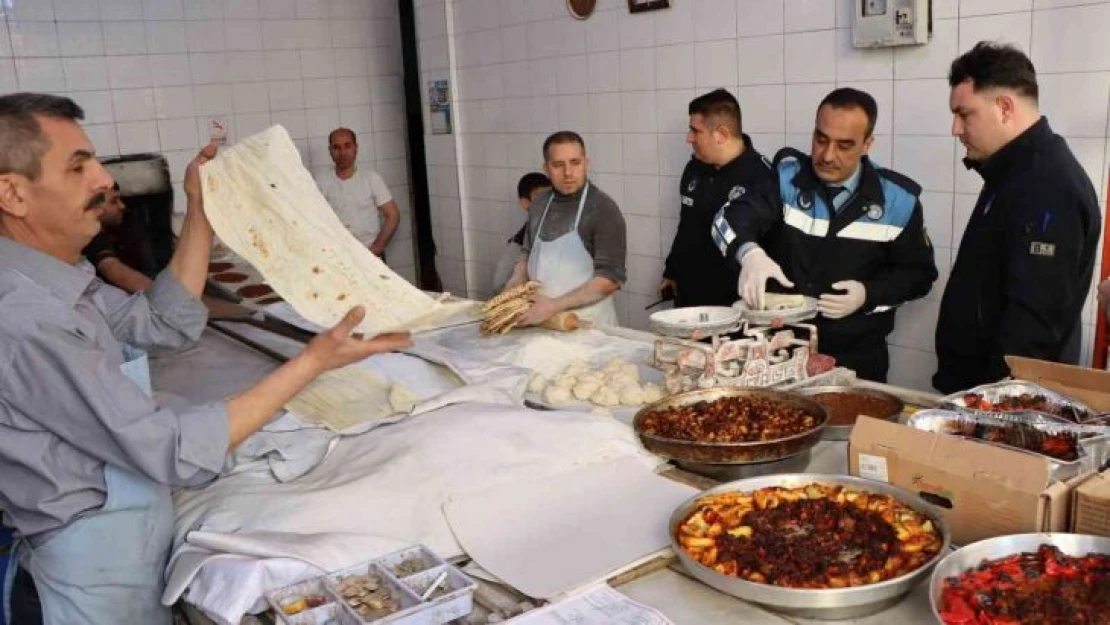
(360, 198)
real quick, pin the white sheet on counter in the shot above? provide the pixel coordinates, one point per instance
(376, 489)
(597, 605)
(550, 535)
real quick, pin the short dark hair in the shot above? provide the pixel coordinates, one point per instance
(22, 144)
(720, 106)
(354, 137)
(530, 182)
(563, 136)
(992, 65)
(849, 98)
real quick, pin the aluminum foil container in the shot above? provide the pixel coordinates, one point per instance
(1063, 409)
(1092, 442)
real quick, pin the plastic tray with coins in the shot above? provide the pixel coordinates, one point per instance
(412, 586)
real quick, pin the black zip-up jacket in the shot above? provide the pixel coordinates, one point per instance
(1025, 262)
(877, 238)
(703, 276)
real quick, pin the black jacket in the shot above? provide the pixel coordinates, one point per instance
(1025, 262)
(877, 238)
(703, 276)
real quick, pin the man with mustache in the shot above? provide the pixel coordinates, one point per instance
(838, 228)
(87, 457)
(358, 196)
(1027, 257)
(104, 250)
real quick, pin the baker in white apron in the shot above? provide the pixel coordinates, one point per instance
(94, 570)
(563, 264)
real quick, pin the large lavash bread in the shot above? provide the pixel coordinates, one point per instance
(266, 207)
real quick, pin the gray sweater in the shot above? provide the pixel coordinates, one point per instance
(602, 228)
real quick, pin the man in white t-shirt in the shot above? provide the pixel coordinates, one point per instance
(359, 198)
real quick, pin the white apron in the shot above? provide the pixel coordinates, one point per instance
(563, 264)
(108, 566)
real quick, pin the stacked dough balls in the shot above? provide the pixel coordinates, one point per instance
(616, 383)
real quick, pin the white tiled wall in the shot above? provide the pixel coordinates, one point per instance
(526, 68)
(149, 73)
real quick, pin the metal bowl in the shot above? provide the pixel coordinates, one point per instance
(824, 604)
(973, 555)
(844, 432)
(730, 453)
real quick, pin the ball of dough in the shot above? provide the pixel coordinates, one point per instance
(614, 365)
(591, 376)
(537, 383)
(556, 395)
(565, 381)
(621, 381)
(577, 368)
(632, 396)
(583, 390)
(652, 393)
(631, 371)
(605, 396)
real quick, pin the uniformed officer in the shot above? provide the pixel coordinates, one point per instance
(846, 232)
(724, 166)
(1027, 256)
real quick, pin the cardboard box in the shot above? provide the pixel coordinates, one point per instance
(1090, 505)
(1090, 386)
(981, 490)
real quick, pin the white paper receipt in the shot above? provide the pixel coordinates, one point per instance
(873, 468)
(597, 605)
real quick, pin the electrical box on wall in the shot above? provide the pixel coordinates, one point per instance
(887, 23)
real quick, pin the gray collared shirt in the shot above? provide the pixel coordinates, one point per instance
(66, 409)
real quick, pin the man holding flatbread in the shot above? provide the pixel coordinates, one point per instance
(87, 457)
(575, 244)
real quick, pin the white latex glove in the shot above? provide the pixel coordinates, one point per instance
(755, 269)
(838, 306)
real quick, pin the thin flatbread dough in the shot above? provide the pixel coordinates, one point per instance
(265, 206)
(344, 398)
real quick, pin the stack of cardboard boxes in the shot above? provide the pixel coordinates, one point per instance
(983, 490)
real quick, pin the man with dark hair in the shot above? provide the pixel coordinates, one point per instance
(104, 251)
(848, 233)
(87, 457)
(724, 166)
(528, 188)
(1027, 257)
(360, 198)
(575, 247)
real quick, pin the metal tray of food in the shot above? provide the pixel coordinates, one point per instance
(717, 453)
(1058, 407)
(835, 431)
(823, 604)
(974, 554)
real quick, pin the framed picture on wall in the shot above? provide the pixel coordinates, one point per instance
(639, 6)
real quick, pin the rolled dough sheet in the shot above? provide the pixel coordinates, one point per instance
(265, 206)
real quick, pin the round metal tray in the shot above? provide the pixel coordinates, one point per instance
(730, 453)
(973, 555)
(702, 320)
(824, 604)
(844, 432)
(730, 472)
(770, 317)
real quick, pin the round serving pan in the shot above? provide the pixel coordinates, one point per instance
(973, 555)
(844, 432)
(824, 604)
(730, 453)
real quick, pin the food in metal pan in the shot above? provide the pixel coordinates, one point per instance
(369, 596)
(844, 408)
(815, 537)
(1045, 587)
(1054, 442)
(1020, 403)
(730, 420)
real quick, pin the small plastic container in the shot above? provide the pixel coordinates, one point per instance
(405, 598)
(452, 600)
(410, 561)
(292, 601)
(330, 614)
